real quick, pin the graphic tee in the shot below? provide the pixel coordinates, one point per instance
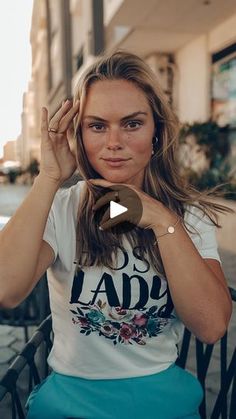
(112, 322)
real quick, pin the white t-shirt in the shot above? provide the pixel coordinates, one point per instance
(111, 323)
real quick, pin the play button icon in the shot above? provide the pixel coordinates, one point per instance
(116, 209)
(128, 202)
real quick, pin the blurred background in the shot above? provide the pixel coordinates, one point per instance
(190, 45)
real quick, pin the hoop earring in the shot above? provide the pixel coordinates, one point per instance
(154, 143)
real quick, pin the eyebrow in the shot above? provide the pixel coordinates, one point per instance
(132, 115)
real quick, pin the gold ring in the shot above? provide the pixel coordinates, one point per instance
(52, 130)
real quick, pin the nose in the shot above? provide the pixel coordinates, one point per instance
(114, 140)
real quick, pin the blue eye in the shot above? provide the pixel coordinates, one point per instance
(96, 127)
(134, 124)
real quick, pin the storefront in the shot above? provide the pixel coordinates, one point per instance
(223, 93)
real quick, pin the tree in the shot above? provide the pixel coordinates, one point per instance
(204, 157)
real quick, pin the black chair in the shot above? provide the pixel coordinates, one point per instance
(224, 406)
(39, 344)
(31, 312)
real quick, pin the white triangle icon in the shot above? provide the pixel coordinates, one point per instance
(116, 209)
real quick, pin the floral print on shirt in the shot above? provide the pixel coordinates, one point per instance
(118, 324)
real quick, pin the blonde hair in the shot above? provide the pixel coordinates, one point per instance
(162, 180)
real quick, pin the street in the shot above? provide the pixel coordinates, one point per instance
(11, 196)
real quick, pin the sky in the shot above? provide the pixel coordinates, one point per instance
(15, 67)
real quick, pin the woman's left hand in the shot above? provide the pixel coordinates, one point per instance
(146, 215)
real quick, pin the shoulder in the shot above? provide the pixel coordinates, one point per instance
(66, 198)
(74, 191)
(196, 217)
(202, 232)
(197, 220)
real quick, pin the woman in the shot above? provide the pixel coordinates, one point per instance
(121, 288)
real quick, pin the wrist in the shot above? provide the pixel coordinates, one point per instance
(47, 181)
(165, 218)
(168, 222)
(169, 231)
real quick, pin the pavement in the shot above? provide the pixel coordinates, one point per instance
(12, 338)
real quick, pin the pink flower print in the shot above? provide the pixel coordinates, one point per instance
(119, 325)
(107, 329)
(83, 322)
(140, 319)
(118, 313)
(127, 331)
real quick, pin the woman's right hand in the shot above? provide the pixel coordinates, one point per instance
(58, 162)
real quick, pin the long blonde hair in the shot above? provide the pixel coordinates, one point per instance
(162, 180)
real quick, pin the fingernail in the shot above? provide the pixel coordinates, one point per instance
(100, 228)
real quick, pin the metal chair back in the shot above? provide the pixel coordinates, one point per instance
(31, 312)
(222, 354)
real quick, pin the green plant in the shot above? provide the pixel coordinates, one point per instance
(214, 142)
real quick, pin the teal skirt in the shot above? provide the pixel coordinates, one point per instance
(170, 394)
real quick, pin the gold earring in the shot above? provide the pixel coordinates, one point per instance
(154, 143)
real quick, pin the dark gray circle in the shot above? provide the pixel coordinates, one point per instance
(129, 199)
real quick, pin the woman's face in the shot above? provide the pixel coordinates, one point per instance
(117, 123)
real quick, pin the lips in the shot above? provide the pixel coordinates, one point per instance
(115, 159)
(115, 162)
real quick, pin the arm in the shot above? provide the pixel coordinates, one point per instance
(23, 253)
(197, 286)
(21, 240)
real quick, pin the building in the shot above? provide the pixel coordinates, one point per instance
(190, 44)
(10, 151)
(29, 139)
(37, 93)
